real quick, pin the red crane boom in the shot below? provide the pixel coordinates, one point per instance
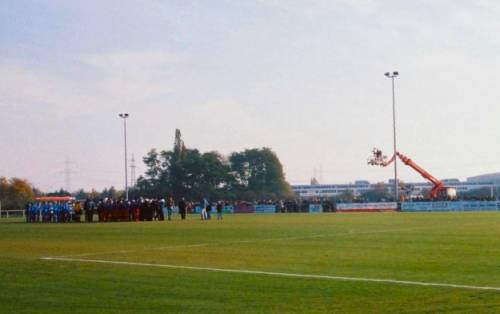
(439, 189)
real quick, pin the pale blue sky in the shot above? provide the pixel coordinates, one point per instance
(302, 77)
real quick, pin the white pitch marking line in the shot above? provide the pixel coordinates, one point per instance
(279, 274)
(236, 242)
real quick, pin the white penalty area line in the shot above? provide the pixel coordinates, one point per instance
(278, 274)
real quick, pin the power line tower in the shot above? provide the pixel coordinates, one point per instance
(320, 175)
(132, 171)
(67, 174)
(314, 178)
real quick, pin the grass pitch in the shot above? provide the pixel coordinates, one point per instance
(448, 248)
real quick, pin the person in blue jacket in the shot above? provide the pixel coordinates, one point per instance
(45, 212)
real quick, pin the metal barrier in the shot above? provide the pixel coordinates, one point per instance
(12, 213)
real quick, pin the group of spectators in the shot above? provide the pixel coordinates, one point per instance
(52, 212)
(148, 209)
(140, 209)
(110, 210)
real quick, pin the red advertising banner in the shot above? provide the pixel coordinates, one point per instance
(55, 198)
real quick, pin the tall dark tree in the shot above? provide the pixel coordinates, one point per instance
(81, 194)
(153, 182)
(260, 171)
(111, 193)
(183, 172)
(176, 173)
(209, 174)
(153, 165)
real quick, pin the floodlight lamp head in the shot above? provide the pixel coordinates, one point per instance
(395, 73)
(387, 74)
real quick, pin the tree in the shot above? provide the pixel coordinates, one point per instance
(177, 172)
(15, 193)
(61, 192)
(205, 174)
(154, 181)
(153, 165)
(93, 194)
(260, 171)
(183, 172)
(81, 194)
(111, 193)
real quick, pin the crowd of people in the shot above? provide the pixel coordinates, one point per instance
(150, 209)
(110, 210)
(52, 212)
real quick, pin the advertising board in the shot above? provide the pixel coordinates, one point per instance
(367, 207)
(265, 209)
(450, 206)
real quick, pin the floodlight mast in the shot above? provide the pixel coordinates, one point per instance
(124, 116)
(392, 76)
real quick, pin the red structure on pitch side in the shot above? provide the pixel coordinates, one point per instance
(439, 190)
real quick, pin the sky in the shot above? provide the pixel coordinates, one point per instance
(305, 78)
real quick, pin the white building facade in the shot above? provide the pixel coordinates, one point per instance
(358, 187)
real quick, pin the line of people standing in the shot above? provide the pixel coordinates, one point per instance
(140, 209)
(54, 212)
(110, 210)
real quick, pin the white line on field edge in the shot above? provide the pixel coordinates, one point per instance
(278, 274)
(170, 247)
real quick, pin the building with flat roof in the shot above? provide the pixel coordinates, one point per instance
(360, 186)
(489, 177)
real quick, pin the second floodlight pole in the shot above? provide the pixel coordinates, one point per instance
(392, 76)
(124, 116)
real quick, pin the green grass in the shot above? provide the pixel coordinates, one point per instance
(456, 248)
